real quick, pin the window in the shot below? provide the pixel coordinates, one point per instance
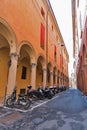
(22, 91)
(55, 53)
(42, 36)
(24, 69)
(52, 27)
(42, 12)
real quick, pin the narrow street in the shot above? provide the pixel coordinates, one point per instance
(43, 65)
(66, 111)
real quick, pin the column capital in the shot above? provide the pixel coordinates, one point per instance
(14, 55)
(51, 72)
(44, 69)
(33, 64)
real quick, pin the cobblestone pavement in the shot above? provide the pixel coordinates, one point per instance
(42, 117)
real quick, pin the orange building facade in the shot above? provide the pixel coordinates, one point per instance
(30, 47)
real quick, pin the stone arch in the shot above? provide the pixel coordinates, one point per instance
(50, 66)
(7, 32)
(41, 64)
(8, 45)
(42, 60)
(29, 49)
(27, 57)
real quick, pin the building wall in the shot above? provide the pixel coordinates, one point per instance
(20, 26)
(82, 63)
(80, 15)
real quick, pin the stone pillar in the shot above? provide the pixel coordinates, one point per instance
(12, 74)
(44, 77)
(51, 78)
(33, 75)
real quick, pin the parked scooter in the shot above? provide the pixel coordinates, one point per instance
(52, 89)
(46, 92)
(34, 94)
(22, 100)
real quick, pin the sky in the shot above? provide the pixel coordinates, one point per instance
(62, 11)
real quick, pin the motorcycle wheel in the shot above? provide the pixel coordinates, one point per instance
(9, 102)
(49, 96)
(42, 97)
(27, 104)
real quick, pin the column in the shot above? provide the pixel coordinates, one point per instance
(44, 77)
(51, 78)
(33, 75)
(12, 74)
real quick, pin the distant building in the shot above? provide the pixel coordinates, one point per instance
(70, 82)
(80, 46)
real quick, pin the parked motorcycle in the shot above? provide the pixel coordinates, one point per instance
(34, 94)
(52, 89)
(22, 100)
(46, 92)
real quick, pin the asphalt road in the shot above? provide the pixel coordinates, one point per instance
(66, 111)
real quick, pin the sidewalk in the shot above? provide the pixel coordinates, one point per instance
(55, 114)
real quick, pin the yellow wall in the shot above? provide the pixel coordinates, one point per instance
(22, 83)
(4, 58)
